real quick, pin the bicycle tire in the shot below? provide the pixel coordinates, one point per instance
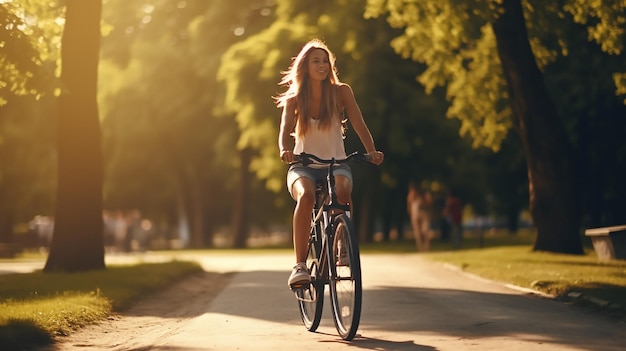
(345, 278)
(311, 298)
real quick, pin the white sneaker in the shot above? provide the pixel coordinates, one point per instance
(299, 276)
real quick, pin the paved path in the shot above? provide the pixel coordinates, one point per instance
(409, 303)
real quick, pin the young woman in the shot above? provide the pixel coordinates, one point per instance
(312, 121)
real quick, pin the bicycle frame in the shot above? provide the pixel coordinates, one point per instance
(332, 257)
(322, 222)
(323, 231)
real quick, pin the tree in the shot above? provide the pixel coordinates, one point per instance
(77, 243)
(163, 75)
(243, 19)
(470, 47)
(546, 144)
(582, 84)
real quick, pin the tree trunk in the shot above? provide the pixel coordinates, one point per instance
(192, 195)
(547, 148)
(182, 221)
(6, 220)
(241, 210)
(512, 218)
(77, 243)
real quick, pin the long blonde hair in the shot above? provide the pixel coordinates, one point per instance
(296, 79)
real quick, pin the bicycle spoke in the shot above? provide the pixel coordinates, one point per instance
(345, 284)
(333, 257)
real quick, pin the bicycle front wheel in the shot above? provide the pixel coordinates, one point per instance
(345, 281)
(311, 297)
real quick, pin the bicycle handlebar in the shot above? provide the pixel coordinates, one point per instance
(307, 159)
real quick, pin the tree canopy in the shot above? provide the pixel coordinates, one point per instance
(189, 126)
(477, 50)
(454, 39)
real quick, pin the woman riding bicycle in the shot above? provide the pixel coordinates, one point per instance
(312, 121)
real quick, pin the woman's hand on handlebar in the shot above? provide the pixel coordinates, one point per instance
(376, 157)
(287, 156)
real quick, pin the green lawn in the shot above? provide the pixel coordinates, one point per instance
(35, 307)
(554, 274)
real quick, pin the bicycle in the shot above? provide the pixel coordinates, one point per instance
(332, 256)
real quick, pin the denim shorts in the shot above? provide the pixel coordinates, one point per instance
(297, 171)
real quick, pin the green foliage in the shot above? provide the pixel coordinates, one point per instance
(27, 61)
(161, 95)
(605, 21)
(161, 98)
(155, 103)
(406, 124)
(453, 38)
(248, 68)
(184, 85)
(458, 49)
(578, 44)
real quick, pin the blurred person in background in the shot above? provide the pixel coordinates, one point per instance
(418, 204)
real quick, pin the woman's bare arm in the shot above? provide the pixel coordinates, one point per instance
(358, 123)
(287, 125)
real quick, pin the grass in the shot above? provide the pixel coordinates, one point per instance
(555, 274)
(36, 307)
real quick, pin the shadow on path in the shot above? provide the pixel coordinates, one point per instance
(418, 313)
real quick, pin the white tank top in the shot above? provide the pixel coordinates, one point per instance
(324, 144)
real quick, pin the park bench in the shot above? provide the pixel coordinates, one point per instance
(609, 242)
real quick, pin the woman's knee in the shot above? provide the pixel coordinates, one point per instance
(343, 188)
(303, 191)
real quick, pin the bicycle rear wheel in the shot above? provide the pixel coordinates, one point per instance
(345, 281)
(311, 298)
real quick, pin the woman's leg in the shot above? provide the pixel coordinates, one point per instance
(303, 191)
(343, 187)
